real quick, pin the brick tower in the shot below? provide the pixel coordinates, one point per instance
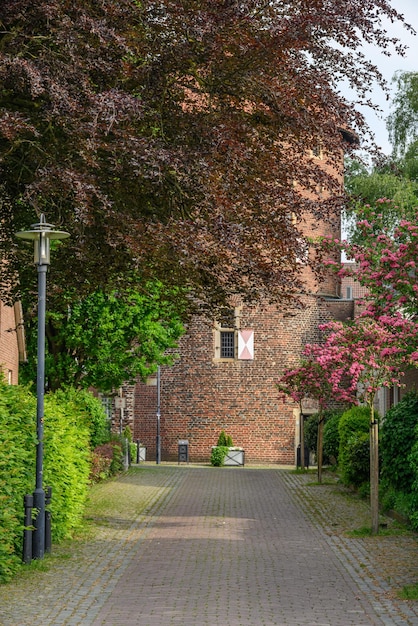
(226, 374)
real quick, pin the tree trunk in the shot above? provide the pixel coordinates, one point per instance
(374, 469)
(319, 445)
(302, 441)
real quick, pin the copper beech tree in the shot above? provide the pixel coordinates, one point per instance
(171, 138)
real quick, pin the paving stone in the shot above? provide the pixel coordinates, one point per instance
(230, 546)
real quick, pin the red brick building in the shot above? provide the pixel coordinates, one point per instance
(12, 344)
(226, 374)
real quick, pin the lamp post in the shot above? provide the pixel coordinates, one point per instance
(158, 438)
(41, 235)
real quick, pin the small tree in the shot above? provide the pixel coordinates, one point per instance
(310, 380)
(362, 357)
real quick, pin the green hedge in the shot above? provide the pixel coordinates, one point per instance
(66, 463)
(332, 438)
(397, 440)
(354, 449)
(17, 459)
(399, 454)
(73, 420)
(89, 411)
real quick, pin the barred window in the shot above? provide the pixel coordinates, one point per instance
(227, 344)
(226, 334)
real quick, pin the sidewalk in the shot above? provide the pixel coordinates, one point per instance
(223, 546)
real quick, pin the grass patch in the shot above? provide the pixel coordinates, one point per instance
(410, 592)
(384, 531)
(326, 483)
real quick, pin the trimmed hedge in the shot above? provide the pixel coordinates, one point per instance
(17, 460)
(73, 420)
(66, 464)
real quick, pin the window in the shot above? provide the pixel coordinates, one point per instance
(227, 344)
(227, 328)
(317, 152)
(232, 342)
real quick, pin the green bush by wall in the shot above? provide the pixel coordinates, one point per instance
(413, 459)
(332, 437)
(66, 463)
(354, 449)
(89, 410)
(73, 420)
(399, 455)
(17, 459)
(218, 455)
(397, 440)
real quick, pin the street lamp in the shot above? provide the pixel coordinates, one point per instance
(158, 438)
(41, 235)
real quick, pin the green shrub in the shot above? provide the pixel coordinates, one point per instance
(127, 433)
(225, 440)
(73, 419)
(17, 462)
(133, 451)
(89, 410)
(310, 430)
(118, 451)
(218, 455)
(353, 455)
(413, 459)
(397, 441)
(355, 469)
(66, 463)
(332, 438)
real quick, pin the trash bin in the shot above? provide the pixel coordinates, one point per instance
(183, 451)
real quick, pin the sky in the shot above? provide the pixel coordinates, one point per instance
(389, 65)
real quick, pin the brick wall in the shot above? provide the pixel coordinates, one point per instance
(200, 396)
(9, 354)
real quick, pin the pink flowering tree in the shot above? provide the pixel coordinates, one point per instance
(310, 380)
(362, 357)
(385, 262)
(376, 349)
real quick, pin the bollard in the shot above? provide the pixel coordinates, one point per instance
(48, 528)
(28, 529)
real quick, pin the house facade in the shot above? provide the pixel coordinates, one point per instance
(12, 343)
